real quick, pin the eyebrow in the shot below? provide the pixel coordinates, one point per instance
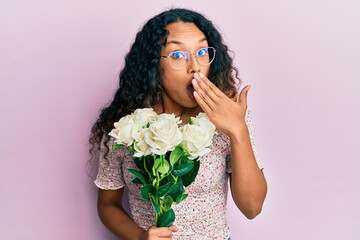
(181, 43)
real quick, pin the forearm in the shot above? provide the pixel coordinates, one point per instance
(248, 184)
(118, 222)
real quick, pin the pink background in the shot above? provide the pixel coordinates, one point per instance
(59, 62)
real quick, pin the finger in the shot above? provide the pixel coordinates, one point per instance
(202, 95)
(159, 232)
(204, 106)
(164, 232)
(214, 88)
(204, 90)
(243, 94)
(173, 228)
(209, 85)
(237, 98)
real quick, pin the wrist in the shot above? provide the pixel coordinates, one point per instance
(238, 132)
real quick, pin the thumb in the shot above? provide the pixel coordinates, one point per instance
(243, 94)
(173, 228)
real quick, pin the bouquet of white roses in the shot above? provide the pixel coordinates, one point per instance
(166, 153)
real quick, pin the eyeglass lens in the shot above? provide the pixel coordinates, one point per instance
(179, 59)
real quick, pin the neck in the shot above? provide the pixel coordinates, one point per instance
(180, 111)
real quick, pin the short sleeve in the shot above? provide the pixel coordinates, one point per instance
(248, 120)
(109, 175)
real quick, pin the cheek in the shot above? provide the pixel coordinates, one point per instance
(165, 72)
(169, 80)
(169, 76)
(206, 71)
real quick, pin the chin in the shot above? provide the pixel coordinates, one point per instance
(190, 104)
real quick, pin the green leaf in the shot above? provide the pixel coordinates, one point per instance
(166, 219)
(168, 203)
(176, 154)
(137, 181)
(181, 197)
(161, 191)
(149, 160)
(156, 207)
(132, 149)
(163, 181)
(182, 169)
(139, 175)
(189, 178)
(139, 163)
(164, 166)
(170, 178)
(187, 160)
(184, 196)
(117, 146)
(190, 120)
(186, 153)
(146, 190)
(156, 165)
(174, 190)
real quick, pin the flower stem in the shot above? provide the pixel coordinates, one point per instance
(147, 170)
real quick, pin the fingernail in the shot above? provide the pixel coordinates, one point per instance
(193, 81)
(174, 228)
(201, 75)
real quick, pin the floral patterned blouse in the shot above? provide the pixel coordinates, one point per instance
(202, 215)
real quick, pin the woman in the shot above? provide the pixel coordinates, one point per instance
(178, 64)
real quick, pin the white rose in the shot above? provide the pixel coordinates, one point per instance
(144, 116)
(163, 135)
(202, 121)
(170, 117)
(196, 140)
(125, 131)
(140, 146)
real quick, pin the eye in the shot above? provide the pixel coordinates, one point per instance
(202, 52)
(178, 55)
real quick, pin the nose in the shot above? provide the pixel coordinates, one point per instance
(193, 66)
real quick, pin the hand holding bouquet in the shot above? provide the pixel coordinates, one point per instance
(166, 153)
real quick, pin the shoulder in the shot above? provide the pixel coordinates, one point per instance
(107, 151)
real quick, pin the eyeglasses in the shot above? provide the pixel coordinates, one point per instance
(179, 59)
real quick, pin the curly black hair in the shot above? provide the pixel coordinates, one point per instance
(139, 84)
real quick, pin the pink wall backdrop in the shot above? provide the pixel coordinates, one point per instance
(59, 62)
